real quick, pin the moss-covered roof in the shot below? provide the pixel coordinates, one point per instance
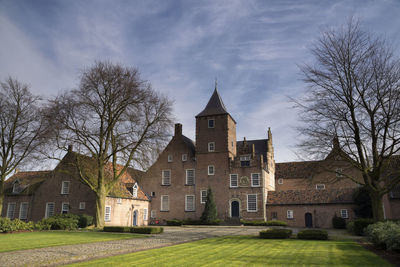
(28, 182)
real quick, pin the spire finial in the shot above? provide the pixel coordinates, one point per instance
(216, 83)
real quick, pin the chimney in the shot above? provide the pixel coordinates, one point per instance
(178, 129)
(69, 148)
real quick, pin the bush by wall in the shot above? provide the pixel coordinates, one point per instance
(8, 226)
(85, 220)
(263, 223)
(117, 229)
(147, 230)
(276, 233)
(174, 222)
(313, 234)
(59, 222)
(384, 234)
(338, 222)
(350, 227)
(361, 224)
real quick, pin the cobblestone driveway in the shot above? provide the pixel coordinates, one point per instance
(58, 255)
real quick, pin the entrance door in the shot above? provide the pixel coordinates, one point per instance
(235, 208)
(135, 218)
(308, 219)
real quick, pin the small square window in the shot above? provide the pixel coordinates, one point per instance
(289, 214)
(170, 158)
(344, 214)
(280, 181)
(153, 194)
(184, 157)
(320, 186)
(82, 205)
(211, 123)
(211, 170)
(211, 147)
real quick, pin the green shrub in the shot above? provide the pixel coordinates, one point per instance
(338, 222)
(146, 230)
(85, 220)
(384, 235)
(263, 223)
(59, 222)
(312, 234)
(118, 229)
(8, 226)
(350, 227)
(200, 222)
(210, 213)
(361, 224)
(174, 222)
(276, 233)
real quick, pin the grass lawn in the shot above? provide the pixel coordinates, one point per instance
(249, 251)
(28, 240)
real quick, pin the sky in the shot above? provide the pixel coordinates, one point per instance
(253, 49)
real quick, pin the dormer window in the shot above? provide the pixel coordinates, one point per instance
(135, 190)
(15, 189)
(211, 123)
(245, 161)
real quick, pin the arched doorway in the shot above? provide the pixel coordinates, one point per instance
(135, 218)
(235, 208)
(308, 219)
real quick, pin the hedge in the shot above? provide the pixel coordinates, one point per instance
(313, 235)
(276, 233)
(361, 224)
(147, 230)
(8, 226)
(85, 220)
(174, 222)
(263, 223)
(59, 222)
(136, 230)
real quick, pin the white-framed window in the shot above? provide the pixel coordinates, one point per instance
(190, 176)
(211, 170)
(234, 181)
(119, 200)
(107, 214)
(64, 208)
(339, 172)
(280, 181)
(153, 214)
(189, 203)
(184, 157)
(166, 177)
(245, 160)
(11, 210)
(15, 187)
(252, 202)
(170, 158)
(255, 180)
(344, 214)
(211, 123)
(203, 196)
(164, 203)
(153, 194)
(23, 211)
(135, 190)
(320, 186)
(211, 146)
(289, 214)
(145, 214)
(82, 205)
(65, 187)
(49, 209)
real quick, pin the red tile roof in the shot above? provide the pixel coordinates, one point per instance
(292, 170)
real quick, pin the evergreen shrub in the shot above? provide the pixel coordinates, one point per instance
(276, 233)
(312, 234)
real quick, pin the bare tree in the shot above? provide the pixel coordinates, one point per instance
(22, 128)
(115, 118)
(354, 98)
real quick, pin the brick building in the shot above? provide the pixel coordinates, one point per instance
(34, 195)
(243, 176)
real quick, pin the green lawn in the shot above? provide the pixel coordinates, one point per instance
(249, 251)
(28, 240)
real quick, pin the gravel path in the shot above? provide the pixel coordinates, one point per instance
(53, 256)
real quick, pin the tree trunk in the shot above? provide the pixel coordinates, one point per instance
(377, 206)
(1, 194)
(100, 208)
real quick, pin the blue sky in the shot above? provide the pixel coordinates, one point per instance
(253, 48)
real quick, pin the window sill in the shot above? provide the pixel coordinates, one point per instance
(164, 210)
(189, 184)
(234, 187)
(165, 184)
(190, 211)
(255, 185)
(252, 210)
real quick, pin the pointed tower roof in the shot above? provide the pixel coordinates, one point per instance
(215, 106)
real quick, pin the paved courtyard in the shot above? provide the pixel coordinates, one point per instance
(58, 255)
